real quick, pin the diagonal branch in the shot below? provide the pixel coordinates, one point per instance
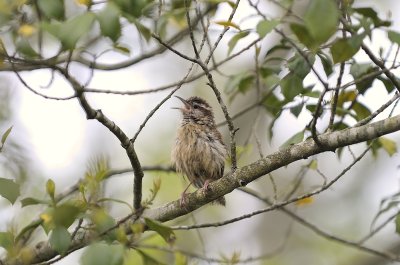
(122, 137)
(241, 177)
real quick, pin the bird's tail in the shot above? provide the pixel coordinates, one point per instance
(220, 201)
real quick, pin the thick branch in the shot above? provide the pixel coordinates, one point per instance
(247, 174)
(330, 142)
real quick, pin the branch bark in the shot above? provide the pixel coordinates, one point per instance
(242, 176)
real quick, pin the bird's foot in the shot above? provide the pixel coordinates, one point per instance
(206, 187)
(183, 200)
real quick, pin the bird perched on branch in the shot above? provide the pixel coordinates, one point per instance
(199, 152)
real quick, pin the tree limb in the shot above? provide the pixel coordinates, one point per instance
(242, 176)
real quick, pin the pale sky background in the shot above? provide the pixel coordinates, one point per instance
(61, 141)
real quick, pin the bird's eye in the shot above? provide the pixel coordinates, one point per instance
(195, 106)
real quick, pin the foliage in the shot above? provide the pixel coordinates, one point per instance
(315, 71)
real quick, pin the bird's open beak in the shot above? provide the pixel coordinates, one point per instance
(187, 105)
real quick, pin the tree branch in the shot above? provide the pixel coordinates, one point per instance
(241, 177)
(122, 137)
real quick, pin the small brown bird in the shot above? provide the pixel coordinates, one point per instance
(199, 151)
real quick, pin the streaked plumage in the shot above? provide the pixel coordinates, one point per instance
(199, 152)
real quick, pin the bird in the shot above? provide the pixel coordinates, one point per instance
(199, 152)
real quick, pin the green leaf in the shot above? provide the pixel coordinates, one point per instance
(6, 240)
(295, 139)
(291, 85)
(361, 110)
(9, 190)
(30, 227)
(266, 26)
(232, 43)
(387, 83)
(228, 24)
(52, 9)
(60, 239)
(300, 66)
(326, 63)
(266, 71)
(103, 221)
(312, 94)
(311, 107)
(273, 105)
(304, 36)
(50, 188)
(372, 14)
(31, 201)
(344, 49)
(70, 31)
(24, 47)
(271, 81)
(133, 8)
(147, 259)
(108, 18)
(296, 110)
(388, 145)
(279, 47)
(321, 19)
(103, 254)
(143, 30)
(5, 135)
(346, 96)
(231, 3)
(394, 36)
(240, 82)
(65, 215)
(367, 12)
(246, 84)
(164, 231)
(122, 49)
(360, 70)
(287, 4)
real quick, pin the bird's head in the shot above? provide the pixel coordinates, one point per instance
(196, 109)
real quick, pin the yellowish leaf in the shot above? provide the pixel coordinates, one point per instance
(26, 254)
(137, 228)
(84, 2)
(305, 201)
(389, 145)
(313, 164)
(228, 24)
(46, 217)
(180, 259)
(26, 30)
(121, 235)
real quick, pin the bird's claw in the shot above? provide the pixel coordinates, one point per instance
(183, 200)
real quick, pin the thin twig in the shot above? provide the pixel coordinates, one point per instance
(358, 245)
(378, 111)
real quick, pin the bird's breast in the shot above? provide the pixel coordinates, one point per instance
(198, 152)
